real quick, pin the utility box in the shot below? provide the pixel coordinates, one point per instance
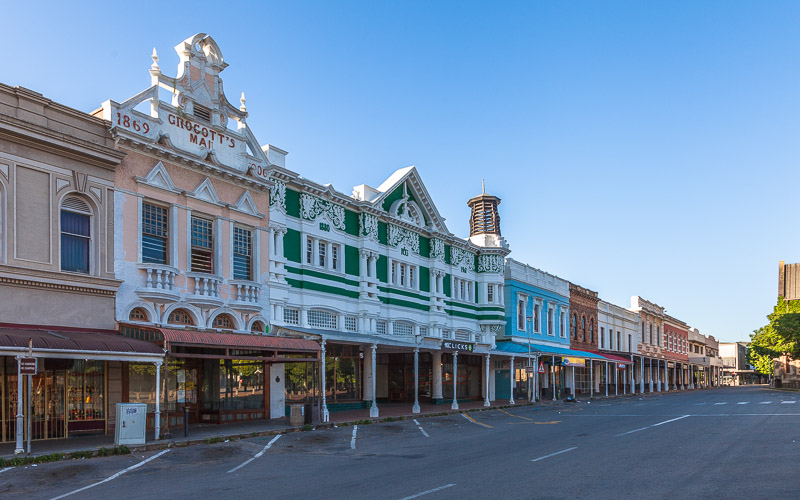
(131, 423)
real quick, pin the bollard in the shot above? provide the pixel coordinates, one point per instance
(186, 421)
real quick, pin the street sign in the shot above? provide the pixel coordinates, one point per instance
(457, 346)
(27, 366)
(621, 366)
(541, 367)
(529, 371)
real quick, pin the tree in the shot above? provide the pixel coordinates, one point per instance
(781, 337)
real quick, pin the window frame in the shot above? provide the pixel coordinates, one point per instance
(199, 250)
(165, 237)
(88, 239)
(249, 256)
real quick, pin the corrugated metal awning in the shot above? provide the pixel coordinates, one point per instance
(237, 341)
(50, 342)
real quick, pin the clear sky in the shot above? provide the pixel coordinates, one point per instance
(639, 148)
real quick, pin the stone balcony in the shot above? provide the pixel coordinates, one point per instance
(248, 294)
(203, 289)
(159, 283)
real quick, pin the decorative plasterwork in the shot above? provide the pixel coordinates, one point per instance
(159, 178)
(462, 258)
(4, 170)
(490, 263)
(437, 249)
(277, 195)
(247, 205)
(312, 207)
(398, 236)
(369, 226)
(206, 192)
(407, 210)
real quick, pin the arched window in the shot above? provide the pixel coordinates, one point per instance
(223, 321)
(651, 333)
(591, 330)
(180, 317)
(76, 235)
(642, 332)
(138, 314)
(575, 326)
(583, 327)
(658, 335)
(257, 327)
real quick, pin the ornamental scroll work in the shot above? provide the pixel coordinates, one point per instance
(277, 195)
(312, 207)
(403, 237)
(462, 258)
(369, 226)
(437, 249)
(490, 264)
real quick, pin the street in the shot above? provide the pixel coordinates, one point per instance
(739, 442)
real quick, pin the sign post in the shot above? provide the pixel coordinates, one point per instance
(30, 374)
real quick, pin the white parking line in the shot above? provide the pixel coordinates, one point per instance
(421, 429)
(743, 403)
(7, 468)
(257, 455)
(717, 404)
(788, 402)
(654, 425)
(112, 477)
(554, 454)
(765, 403)
(699, 404)
(440, 488)
(353, 439)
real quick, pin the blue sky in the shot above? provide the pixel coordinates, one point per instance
(640, 148)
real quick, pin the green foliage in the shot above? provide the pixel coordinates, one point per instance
(114, 450)
(40, 459)
(780, 337)
(82, 454)
(215, 439)
(306, 428)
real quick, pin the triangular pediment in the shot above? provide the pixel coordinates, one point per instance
(206, 192)
(405, 197)
(247, 205)
(158, 177)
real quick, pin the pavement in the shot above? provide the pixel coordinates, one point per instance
(740, 442)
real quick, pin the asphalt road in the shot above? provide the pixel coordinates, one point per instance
(741, 442)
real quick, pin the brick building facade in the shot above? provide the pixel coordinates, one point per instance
(583, 320)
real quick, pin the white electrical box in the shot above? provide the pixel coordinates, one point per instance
(131, 423)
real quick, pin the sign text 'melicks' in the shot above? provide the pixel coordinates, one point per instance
(454, 345)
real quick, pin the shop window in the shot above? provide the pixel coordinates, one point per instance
(202, 246)
(402, 328)
(301, 381)
(85, 393)
(318, 318)
(342, 375)
(223, 321)
(138, 314)
(180, 317)
(291, 316)
(155, 234)
(242, 254)
(75, 235)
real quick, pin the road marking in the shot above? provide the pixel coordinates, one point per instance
(7, 468)
(717, 404)
(654, 425)
(554, 454)
(112, 477)
(788, 402)
(475, 421)
(699, 404)
(440, 488)
(353, 439)
(743, 403)
(421, 429)
(257, 455)
(518, 416)
(765, 403)
(552, 422)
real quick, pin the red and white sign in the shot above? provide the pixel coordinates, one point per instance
(541, 367)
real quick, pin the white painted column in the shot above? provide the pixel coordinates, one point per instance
(454, 406)
(666, 376)
(553, 368)
(325, 414)
(511, 401)
(373, 410)
(437, 375)
(486, 401)
(616, 380)
(535, 379)
(630, 375)
(574, 393)
(415, 408)
(591, 380)
(650, 364)
(606, 378)
(158, 401)
(641, 374)
(658, 375)
(20, 416)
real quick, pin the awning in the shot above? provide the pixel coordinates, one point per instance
(236, 341)
(613, 357)
(541, 349)
(73, 343)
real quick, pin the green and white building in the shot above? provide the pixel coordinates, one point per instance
(398, 303)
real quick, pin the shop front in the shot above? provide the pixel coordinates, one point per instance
(213, 377)
(76, 382)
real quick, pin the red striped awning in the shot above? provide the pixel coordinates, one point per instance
(236, 340)
(613, 357)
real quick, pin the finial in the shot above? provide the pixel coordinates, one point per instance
(483, 186)
(242, 100)
(155, 61)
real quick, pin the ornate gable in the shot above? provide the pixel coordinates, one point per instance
(404, 196)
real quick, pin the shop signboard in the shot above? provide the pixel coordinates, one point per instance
(621, 366)
(27, 366)
(572, 362)
(454, 345)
